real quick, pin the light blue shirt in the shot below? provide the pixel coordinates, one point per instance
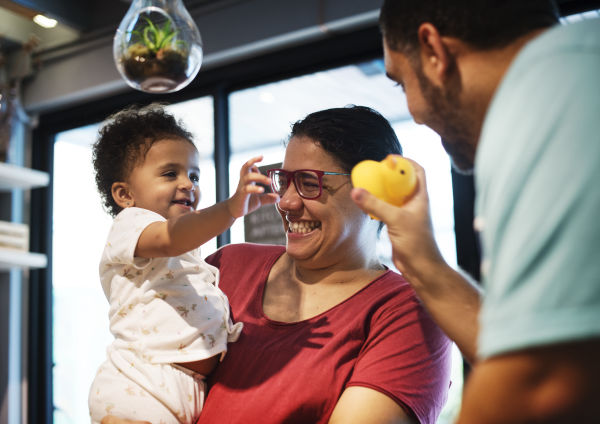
(538, 195)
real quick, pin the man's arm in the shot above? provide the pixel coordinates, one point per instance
(361, 405)
(451, 298)
(550, 384)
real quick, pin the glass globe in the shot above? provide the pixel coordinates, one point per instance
(157, 47)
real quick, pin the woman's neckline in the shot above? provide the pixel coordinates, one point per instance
(352, 293)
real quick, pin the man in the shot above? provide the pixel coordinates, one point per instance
(515, 98)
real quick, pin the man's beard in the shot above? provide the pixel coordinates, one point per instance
(446, 117)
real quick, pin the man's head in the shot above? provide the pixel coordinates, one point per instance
(484, 24)
(449, 57)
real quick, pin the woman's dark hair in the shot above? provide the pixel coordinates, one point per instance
(123, 142)
(351, 134)
(484, 24)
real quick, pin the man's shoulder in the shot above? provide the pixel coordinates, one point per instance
(578, 36)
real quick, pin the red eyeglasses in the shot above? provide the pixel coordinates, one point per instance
(308, 182)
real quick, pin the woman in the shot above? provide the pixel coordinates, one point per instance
(330, 334)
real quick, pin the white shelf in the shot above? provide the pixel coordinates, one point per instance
(13, 176)
(10, 258)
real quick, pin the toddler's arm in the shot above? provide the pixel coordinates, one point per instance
(186, 232)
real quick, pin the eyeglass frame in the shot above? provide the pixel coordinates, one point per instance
(291, 176)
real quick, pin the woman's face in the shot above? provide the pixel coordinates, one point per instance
(331, 228)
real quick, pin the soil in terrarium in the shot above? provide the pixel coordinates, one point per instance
(165, 67)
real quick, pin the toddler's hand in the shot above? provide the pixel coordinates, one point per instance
(250, 196)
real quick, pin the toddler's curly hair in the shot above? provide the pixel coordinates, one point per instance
(123, 142)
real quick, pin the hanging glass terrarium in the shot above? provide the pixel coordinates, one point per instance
(157, 47)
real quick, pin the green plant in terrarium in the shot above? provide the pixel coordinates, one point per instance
(156, 54)
(156, 38)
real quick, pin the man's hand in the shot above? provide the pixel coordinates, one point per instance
(409, 228)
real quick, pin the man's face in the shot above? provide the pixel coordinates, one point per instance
(437, 106)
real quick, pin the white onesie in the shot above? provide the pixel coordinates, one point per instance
(162, 311)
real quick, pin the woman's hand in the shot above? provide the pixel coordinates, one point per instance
(109, 419)
(249, 195)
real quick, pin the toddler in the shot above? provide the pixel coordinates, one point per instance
(170, 320)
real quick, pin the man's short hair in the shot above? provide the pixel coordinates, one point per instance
(483, 24)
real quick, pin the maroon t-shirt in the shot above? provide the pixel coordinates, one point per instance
(277, 372)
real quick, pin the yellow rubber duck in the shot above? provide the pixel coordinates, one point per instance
(392, 180)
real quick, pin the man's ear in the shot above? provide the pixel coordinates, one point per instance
(121, 195)
(435, 57)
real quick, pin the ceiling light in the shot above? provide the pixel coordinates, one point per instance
(44, 21)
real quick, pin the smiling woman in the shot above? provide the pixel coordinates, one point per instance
(324, 309)
(258, 126)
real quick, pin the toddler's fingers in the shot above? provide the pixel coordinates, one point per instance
(254, 189)
(249, 165)
(255, 177)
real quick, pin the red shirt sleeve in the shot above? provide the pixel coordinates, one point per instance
(407, 357)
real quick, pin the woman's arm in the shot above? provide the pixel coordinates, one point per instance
(186, 232)
(361, 405)
(452, 299)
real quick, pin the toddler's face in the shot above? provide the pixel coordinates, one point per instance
(167, 181)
